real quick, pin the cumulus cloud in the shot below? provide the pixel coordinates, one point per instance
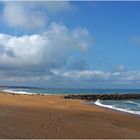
(31, 15)
(24, 15)
(50, 49)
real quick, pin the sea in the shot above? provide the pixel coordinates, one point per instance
(130, 106)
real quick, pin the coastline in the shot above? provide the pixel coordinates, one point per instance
(89, 97)
(115, 110)
(37, 116)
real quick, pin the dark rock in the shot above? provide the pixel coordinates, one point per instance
(102, 96)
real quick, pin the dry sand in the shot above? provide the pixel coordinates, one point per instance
(34, 116)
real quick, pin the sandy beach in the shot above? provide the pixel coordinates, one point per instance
(36, 116)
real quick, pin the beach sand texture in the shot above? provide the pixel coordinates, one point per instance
(36, 116)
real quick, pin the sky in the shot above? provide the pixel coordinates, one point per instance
(70, 44)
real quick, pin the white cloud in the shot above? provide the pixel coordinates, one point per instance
(19, 14)
(82, 75)
(50, 49)
(31, 15)
(97, 76)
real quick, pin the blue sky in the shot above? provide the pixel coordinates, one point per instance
(70, 44)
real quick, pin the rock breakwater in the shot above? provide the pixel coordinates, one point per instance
(94, 97)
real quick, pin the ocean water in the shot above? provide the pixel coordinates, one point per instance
(130, 106)
(34, 90)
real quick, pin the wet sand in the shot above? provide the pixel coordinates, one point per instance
(35, 116)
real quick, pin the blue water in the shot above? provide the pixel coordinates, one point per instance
(130, 106)
(69, 91)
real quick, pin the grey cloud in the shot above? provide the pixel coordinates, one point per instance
(73, 77)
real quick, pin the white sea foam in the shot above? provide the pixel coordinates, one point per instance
(17, 92)
(24, 92)
(132, 102)
(98, 102)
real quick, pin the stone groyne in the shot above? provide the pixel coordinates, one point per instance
(94, 97)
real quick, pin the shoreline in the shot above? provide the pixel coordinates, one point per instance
(84, 102)
(27, 116)
(64, 97)
(115, 110)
